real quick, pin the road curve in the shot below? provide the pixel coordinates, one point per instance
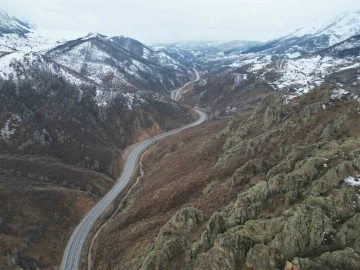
(72, 255)
(175, 94)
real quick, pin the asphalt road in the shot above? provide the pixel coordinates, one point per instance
(72, 255)
(175, 94)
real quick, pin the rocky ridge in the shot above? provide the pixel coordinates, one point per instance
(294, 184)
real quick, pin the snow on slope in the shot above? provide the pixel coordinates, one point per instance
(158, 57)
(30, 42)
(12, 66)
(11, 25)
(23, 48)
(317, 35)
(301, 74)
(20, 35)
(105, 62)
(338, 29)
(93, 57)
(306, 73)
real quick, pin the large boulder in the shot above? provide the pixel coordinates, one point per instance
(339, 259)
(172, 239)
(303, 232)
(249, 170)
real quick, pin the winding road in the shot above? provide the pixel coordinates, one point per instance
(175, 94)
(72, 255)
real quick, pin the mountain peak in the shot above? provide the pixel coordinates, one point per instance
(12, 25)
(95, 35)
(338, 28)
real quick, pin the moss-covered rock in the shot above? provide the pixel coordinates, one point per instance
(248, 205)
(182, 222)
(215, 226)
(305, 171)
(332, 178)
(264, 257)
(172, 239)
(249, 170)
(303, 232)
(340, 205)
(229, 251)
(340, 259)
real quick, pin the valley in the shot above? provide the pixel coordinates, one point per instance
(234, 154)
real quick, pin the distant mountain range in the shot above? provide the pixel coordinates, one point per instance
(12, 25)
(123, 64)
(316, 36)
(70, 110)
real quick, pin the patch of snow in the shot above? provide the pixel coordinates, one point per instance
(239, 78)
(293, 55)
(10, 127)
(356, 65)
(104, 97)
(289, 98)
(202, 82)
(338, 93)
(352, 181)
(338, 29)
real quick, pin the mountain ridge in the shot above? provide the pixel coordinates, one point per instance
(314, 38)
(11, 25)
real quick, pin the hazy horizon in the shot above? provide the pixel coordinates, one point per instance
(160, 21)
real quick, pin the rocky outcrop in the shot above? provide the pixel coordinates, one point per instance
(332, 178)
(303, 232)
(304, 172)
(249, 170)
(172, 239)
(340, 259)
(292, 195)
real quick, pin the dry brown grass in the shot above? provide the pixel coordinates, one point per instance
(179, 168)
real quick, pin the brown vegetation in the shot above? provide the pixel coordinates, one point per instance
(252, 182)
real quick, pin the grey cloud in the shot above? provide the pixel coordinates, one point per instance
(167, 21)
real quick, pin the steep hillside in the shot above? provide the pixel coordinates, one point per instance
(347, 48)
(19, 35)
(315, 36)
(296, 74)
(12, 25)
(160, 58)
(217, 47)
(101, 60)
(227, 92)
(277, 188)
(61, 149)
(184, 56)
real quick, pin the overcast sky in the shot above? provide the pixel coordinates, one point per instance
(179, 20)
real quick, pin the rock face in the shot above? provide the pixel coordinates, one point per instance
(249, 170)
(293, 207)
(171, 239)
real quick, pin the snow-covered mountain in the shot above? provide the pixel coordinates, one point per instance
(18, 35)
(298, 61)
(317, 35)
(347, 48)
(159, 57)
(12, 25)
(102, 60)
(338, 29)
(117, 62)
(201, 48)
(183, 55)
